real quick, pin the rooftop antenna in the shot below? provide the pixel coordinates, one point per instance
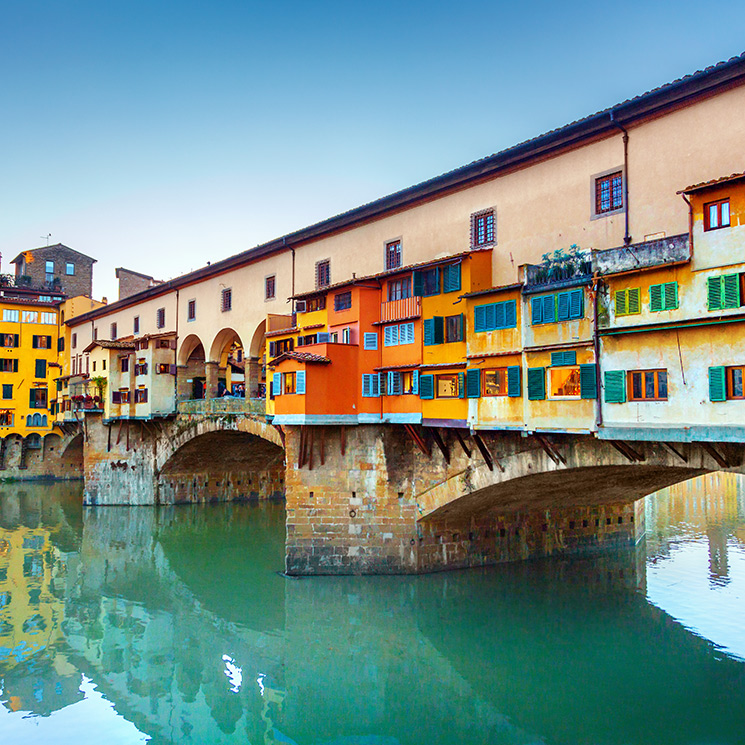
(47, 237)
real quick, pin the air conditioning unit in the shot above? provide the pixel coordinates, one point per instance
(300, 306)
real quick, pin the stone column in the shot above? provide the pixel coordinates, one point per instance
(183, 384)
(211, 372)
(252, 375)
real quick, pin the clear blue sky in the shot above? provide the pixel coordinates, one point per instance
(160, 135)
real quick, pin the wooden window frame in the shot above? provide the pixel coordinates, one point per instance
(289, 383)
(160, 318)
(191, 310)
(550, 383)
(323, 273)
(399, 289)
(270, 287)
(393, 254)
(485, 373)
(728, 379)
(444, 376)
(483, 228)
(226, 300)
(340, 301)
(458, 321)
(707, 214)
(630, 385)
(613, 189)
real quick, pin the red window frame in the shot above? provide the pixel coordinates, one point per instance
(393, 255)
(609, 193)
(717, 207)
(323, 273)
(643, 376)
(730, 375)
(483, 228)
(270, 287)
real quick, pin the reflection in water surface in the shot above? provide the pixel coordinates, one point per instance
(173, 625)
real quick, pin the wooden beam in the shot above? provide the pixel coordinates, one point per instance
(440, 444)
(462, 442)
(322, 444)
(119, 434)
(551, 450)
(627, 451)
(311, 431)
(674, 451)
(485, 454)
(343, 440)
(418, 439)
(108, 442)
(717, 456)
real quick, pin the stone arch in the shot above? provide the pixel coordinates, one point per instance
(71, 456)
(256, 363)
(222, 340)
(191, 372)
(188, 346)
(227, 360)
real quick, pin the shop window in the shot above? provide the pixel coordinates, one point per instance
(564, 382)
(647, 385)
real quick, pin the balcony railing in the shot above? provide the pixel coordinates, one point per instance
(224, 405)
(642, 255)
(397, 310)
(558, 274)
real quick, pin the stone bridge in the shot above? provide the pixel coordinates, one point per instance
(397, 498)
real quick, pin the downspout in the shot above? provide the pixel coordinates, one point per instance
(627, 236)
(596, 345)
(690, 224)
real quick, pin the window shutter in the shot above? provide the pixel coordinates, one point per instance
(49, 338)
(277, 384)
(510, 314)
(536, 310)
(417, 284)
(536, 383)
(415, 382)
(406, 333)
(34, 342)
(15, 365)
(513, 381)
(375, 384)
(635, 301)
(426, 386)
(324, 337)
(439, 325)
(499, 315)
(41, 369)
(615, 386)
(16, 340)
(272, 349)
(577, 304)
(461, 328)
(563, 306)
(671, 295)
(655, 297)
(473, 383)
(429, 332)
(171, 369)
(731, 291)
(300, 381)
(717, 384)
(549, 308)
(563, 359)
(370, 340)
(451, 278)
(714, 293)
(391, 385)
(366, 385)
(461, 385)
(622, 302)
(390, 336)
(588, 382)
(479, 318)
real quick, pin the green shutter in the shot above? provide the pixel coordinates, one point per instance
(549, 308)
(513, 381)
(615, 386)
(671, 295)
(717, 384)
(622, 302)
(563, 359)
(731, 291)
(479, 318)
(439, 326)
(510, 314)
(417, 284)
(536, 310)
(473, 383)
(426, 386)
(588, 382)
(462, 328)
(577, 304)
(655, 298)
(461, 385)
(429, 332)
(635, 301)
(536, 383)
(714, 293)
(562, 303)
(451, 278)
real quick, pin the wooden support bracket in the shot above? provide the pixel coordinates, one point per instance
(108, 440)
(418, 439)
(627, 451)
(322, 438)
(440, 442)
(721, 460)
(485, 454)
(119, 434)
(462, 442)
(311, 432)
(301, 449)
(672, 449)
(343, 440)
(551, 450)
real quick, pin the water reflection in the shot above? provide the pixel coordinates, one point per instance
(174, 625)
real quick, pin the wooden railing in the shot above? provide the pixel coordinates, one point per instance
(396, 310)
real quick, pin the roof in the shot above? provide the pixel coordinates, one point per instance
(46, 248)
(601, 124)
(300, 357)
(106, 344)
(714, 182)
(492, 290)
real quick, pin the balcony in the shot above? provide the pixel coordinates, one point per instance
(559, 270)
(400, 310)
(643, 255)
(224, 405)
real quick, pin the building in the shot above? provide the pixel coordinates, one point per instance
(56, 267)
(130, 282)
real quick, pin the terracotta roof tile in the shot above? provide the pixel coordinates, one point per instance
(300, 357)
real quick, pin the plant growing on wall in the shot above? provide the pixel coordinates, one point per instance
(99, 382)
(563, 264)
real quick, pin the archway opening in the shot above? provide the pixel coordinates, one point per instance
(228, 354)
(191, 373)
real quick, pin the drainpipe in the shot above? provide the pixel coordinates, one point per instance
(596, 345)
(690, 224)
(627, 236)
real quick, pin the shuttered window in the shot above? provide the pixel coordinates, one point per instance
(628, 301)
(370, 341)
(371, 385)
(536, 383)
(406, 333)
(434, 331)
(615, 386)
(559, 359)
(395, 383)
(427, 282)
(451, 278)
(300, 381)
(390, 336)
(473, 383)
(562, 306)
(663, 296)
(723, 292)
(726, 383)
(40, 369)
(454, 328)
(323, 273)
(426, 386)
(495, 316)
(277, 384)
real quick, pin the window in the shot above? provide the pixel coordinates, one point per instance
(495, 316)
(69, 269)
(393, 256)
(30, 316)
(398, 289)
(434, 331)
(74, 341)
(628, 302)
(734, 382)
(7, 390)
(45, 298)
(141, 367)
(564, 382)
(8, 365)
(647, 385)
(60, 343)
(371, 385)
(288, 380)
(191, 310)
(343, 301)
(495, 382)
(37, 398)
(270, 284)
(120, 397)
(723, 292)
(226, 300)
(141, 396)
(48, 271)
(94, 365)
(563, 306)
(113, 331)
(11, 315)
(482, 228)
(427, 282)
(41, 342)
(454, 328)
(136, 325)
(663, 296)
(390, 336)
(49, 318)
(716, 215)
(726, 383)
(449, 386)
(6, 420)
(40, 369)
(9, 340)
(303, 341)
(280, 347)
(323, 273)
(124, 364)
(370, 340)
(406, 333)
(163, 368)
(160, 318)
(609, 193)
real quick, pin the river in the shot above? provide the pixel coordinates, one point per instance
(174, 625)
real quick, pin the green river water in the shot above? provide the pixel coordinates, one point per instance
(173, 625)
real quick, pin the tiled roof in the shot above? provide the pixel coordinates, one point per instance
(281, 332)
(492, 290)
(106, 344)
(301, 357)
(713, 182)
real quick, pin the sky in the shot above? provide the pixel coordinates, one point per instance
(161, 135)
